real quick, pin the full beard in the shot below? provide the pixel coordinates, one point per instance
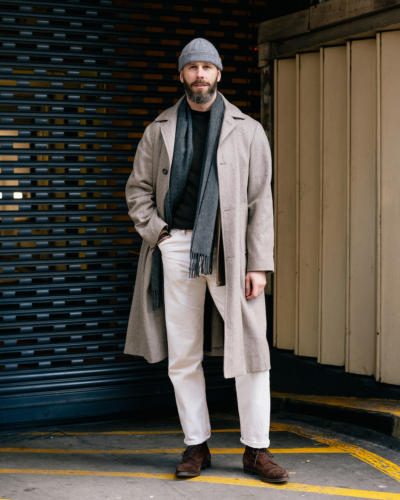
(198, 96)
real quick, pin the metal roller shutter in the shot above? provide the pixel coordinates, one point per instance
(79, 81)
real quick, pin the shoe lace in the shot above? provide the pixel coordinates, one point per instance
(263, 450)
(189, 451)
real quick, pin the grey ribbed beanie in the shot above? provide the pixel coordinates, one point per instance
(199, 49)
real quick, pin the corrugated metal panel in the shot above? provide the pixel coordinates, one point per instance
(361, 308)
(308, 203)
(79, 81)
(388, 208)
(333, 206)
(285, 203)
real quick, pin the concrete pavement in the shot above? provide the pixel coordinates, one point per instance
(136, 459)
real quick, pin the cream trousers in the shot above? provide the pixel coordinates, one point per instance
(184, 308)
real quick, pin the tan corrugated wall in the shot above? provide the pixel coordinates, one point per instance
(308, 203)
(285, 196)
(337, 205)
(334, 205)
(361, 321)
(389, 207)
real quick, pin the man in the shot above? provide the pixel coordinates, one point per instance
(199, 195)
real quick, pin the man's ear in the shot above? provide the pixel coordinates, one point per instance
(181, 77)
(219, 76)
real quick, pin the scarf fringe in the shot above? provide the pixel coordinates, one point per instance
(199, 264)
(156, 299)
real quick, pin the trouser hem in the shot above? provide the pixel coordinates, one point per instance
(193, 442)
(255, 444)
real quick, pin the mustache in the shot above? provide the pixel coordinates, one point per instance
(201, 82)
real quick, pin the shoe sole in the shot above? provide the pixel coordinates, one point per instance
(266, 480)
(187, 475)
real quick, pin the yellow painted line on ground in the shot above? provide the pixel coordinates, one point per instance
(232, 481)
(116, 433)
(315, 449)
(111, 433)
(391, 406)
(147, 451)
(386, 466)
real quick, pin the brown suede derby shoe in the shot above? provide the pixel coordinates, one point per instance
(195, 458)
(259, 461)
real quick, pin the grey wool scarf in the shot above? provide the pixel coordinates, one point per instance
(201, 250)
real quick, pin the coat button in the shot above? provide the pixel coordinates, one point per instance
(165, 171)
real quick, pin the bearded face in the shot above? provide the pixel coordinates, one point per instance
(200, 81)
(200, 91)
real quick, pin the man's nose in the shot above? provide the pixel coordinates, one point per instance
(200, 73)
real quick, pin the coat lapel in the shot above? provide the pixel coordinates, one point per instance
(167, 121)
(228, 125)
(232, 113)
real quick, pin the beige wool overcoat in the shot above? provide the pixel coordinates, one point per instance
(246, 221)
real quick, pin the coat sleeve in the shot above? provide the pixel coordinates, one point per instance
(260, 224)
(140, 191)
